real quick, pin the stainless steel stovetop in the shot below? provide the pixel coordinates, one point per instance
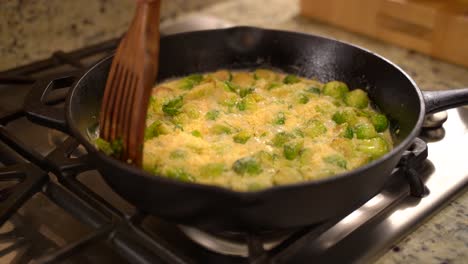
(47, 230)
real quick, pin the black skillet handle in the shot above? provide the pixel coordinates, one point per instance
(442, 100)
(40, 104)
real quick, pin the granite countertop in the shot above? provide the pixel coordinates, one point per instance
(441, 239)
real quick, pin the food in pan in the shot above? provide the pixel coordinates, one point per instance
(249, 130)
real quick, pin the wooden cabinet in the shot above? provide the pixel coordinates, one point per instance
(435, 27)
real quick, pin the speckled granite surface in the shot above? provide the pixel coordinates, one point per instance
(32, 30)
(441, 239)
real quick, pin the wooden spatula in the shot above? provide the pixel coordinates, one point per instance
(131, 77)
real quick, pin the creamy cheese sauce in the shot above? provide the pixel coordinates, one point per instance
(250, 130)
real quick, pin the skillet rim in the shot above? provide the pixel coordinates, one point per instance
(404, 144)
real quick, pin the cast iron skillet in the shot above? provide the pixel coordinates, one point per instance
(289, 206)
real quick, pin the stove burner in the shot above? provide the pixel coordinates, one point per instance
(231, 243)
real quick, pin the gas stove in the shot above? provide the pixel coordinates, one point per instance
(52, 209)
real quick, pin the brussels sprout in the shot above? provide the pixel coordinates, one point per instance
(345, 116)
(292, 150)
(196, 133)
(336, 160)
(231, 87)
(273, 85)
(219, 129)
(280, 119)
(241, 137)
(315, 128)
(290, 79)
(178, 154)
(287, 175)
(313, 90)
(241, 105)
(375, 147)
(281, 138)
(347, 133)
(246, 91)
(249, 165)
(155, 129)
(212, 170)
(104, 146)
(357, 98)
(380, 122)
(212, 114)
(172, 107)
(189, 82)
(303, 99)
(365, 130)
(179, 174)
(255, 186)
(335, 89)
(192, 112)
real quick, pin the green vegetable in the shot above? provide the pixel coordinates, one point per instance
(246, 91)
(172, 107)
(290, 79)
(219, 129)
(255, 186)
(178, 126)
(212, 170)
(192, 112)
(345, 116)
(248, 165)
(335, 89)
(281, 138)
(336, 160)
(280, 119)
(241, 137)
(375, 147)
(232, 87)
(273, 85)
(380, 122)
(179, 174)
(155, 129)
(313, 90)
(241, 105)
(265, 157)
(348, 133)
(357, 98)
(104, 146)
(303, 99)
(196, 133)
(315, 128)
(189, 82)
(292, 150)
(298, 132)
(365, 130)
(178, 154)
(287, 175)
(212, 114)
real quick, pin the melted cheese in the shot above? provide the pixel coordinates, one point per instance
(252, 130)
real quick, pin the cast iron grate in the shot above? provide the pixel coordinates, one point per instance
(31, 174)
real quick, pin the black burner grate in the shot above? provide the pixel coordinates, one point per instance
(55, 176)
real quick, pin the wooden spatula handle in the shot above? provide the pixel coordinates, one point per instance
(150, 10)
